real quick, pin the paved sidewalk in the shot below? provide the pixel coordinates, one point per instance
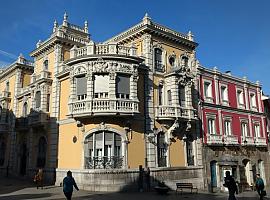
(13, 189)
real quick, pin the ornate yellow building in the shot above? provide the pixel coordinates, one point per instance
(103, 109)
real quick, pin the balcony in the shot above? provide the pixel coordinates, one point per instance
(38, 118)
(105, 162)
(247, 141)
(172, 112)
(5, 96)
(21, 123)
(103, 107)
(231, 140)
(3, 127)
(261, 142)
(42, 76)
(214, 139)
(102, 49)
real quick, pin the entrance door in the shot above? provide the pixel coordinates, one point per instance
(23, 159)
(213, 166)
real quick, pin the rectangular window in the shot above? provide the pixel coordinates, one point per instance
(38, 99)
(160, 95)
(158, 60)
(81, 86)
(207, 89)
(252, 100)
(240, 97)
(224, 94)
(257, 130)
(123, 87)
(169, 97)
(101, 86)
(244, 129)
(227, 127)
(48, 103)
(182, 96)
(211, 126)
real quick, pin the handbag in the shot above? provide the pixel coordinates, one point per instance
(263, 193)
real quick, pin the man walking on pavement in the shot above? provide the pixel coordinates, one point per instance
(231, 185)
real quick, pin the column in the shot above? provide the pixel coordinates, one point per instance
(149, 107)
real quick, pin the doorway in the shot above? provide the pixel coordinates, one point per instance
(23, 159)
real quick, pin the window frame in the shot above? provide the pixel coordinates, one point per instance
(208, 94)
(224, 93)
(241, 97)
(211, 128)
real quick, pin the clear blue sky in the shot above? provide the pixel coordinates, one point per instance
(232, 34)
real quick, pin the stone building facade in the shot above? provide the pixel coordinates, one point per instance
(233, 129)
(103, 109)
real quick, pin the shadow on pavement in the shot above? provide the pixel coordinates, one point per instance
(25, 196)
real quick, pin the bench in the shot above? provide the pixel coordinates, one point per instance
(181, 186)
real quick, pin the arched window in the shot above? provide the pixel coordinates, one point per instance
(2, 152)
(38, 99)
(161, 150)
(103, 150)
(25, 109)
(172, 61)
(182, 96)
(42, 150)
(45, 65)
(158, 60)
(184, 61)
(160, 95)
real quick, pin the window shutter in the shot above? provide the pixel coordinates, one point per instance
(101, 83)
(123, 84)
(81, 85)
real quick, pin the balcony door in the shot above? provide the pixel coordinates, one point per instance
(103, 150)
(161, 150)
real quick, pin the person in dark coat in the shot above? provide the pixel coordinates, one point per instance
(231, 185)
(68, 184)
(259, 186)
(147, 179)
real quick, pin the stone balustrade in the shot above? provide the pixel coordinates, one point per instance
(214, 139)
(175, 112)
(102, 49)
(231, 140)
(103, 106)
(247, 140)
(260, 141)
(41, 75)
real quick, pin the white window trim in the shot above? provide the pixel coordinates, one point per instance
(240, 104)
(214, 128)
(252, 101)
(225, 101)
(246, 132)
(255, 126)
(227, 119)
(209, 98)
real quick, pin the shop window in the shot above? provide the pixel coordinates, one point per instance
(161, 150)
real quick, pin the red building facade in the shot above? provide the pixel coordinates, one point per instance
(233, 128)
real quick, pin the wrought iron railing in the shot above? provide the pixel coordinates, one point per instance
(103, 162)
(162, 161)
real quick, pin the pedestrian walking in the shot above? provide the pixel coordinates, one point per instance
(140, 180)
(68, 184)
(147, 179)
(260, 186)
(38, 178)
(231, 185)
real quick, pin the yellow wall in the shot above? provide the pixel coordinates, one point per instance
(69, 153)
(39, 62)
(136, 151)
(177, 156)
(26, 80)
(65, 90)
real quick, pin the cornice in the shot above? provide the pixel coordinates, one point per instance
(234, 79)
(155, 29)
(15, 66)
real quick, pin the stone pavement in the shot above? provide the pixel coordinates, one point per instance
(13, 189)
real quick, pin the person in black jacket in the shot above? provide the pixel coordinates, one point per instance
(231, 185)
